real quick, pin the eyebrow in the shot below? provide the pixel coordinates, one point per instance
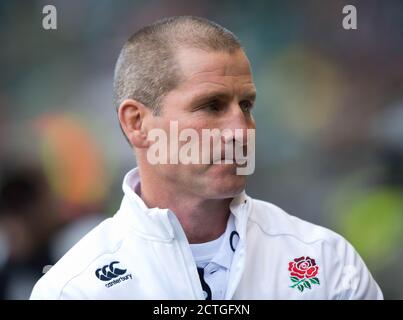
(250, 96)
(210, 95)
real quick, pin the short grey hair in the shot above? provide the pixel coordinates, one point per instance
(147, 70)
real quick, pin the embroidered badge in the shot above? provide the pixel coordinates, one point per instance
(303, 273)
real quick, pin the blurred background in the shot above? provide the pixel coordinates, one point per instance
(329, 119)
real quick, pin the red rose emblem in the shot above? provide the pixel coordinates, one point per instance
(302, 269)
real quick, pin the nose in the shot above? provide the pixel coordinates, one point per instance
(236, 125)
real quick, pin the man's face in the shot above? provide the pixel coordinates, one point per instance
(217, 92)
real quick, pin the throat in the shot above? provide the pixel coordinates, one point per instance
(205, 228)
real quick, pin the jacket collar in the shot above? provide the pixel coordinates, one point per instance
(158, 223)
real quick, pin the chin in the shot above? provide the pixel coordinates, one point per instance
(227, 184)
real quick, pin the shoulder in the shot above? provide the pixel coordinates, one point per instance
(292, 232)
(104, 239)
(274, 221)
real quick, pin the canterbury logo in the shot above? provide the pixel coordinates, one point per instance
(109, 272)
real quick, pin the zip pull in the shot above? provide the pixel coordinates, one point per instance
(205, 286)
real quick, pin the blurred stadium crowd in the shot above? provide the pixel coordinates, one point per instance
(329, 119)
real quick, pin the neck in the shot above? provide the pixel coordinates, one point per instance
(202, 220)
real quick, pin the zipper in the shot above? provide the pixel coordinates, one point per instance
(236, 270)
(187, 258)
(238, 260)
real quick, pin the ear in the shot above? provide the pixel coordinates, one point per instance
(131, 115)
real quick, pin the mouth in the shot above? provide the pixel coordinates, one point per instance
(223, 159)
(228, 159)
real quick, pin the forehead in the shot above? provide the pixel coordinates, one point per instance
(201, 70)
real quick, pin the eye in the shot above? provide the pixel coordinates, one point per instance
(212, 106)
(246, 105)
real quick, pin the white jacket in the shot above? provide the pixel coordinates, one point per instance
(143, 253)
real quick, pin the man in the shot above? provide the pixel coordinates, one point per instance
(188, 230)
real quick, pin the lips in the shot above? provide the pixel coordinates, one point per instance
(221, 158)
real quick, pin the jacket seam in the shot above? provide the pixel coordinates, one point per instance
(284, 234)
